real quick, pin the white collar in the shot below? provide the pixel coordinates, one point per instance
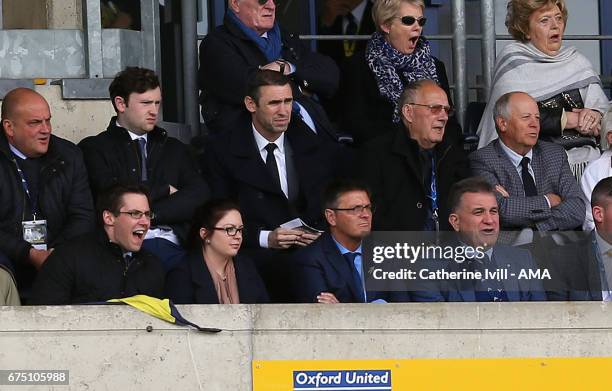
(133, 135)
(515, 158)
(262, 141)
(17, 152)
(359, 11)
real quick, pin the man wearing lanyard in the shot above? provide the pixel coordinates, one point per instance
(44, 198)
(411, 170)
(134, 150)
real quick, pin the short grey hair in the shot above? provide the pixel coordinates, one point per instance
(502, 107)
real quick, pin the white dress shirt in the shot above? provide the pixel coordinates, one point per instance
(279, 156)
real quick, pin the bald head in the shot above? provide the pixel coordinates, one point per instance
(26, 120)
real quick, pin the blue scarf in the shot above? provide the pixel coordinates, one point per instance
(393, 70)
(270, 47)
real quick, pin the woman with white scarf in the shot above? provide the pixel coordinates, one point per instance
(561, 80)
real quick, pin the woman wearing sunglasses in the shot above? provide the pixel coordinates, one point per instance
(396, 55)
(213, 272)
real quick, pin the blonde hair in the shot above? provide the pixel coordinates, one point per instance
(519, 11)
(384, 11)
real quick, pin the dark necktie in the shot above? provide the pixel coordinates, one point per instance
(350, 259)
(142, 144)
(351, 27)
(528, 183)
(128, 258)
(271, 164)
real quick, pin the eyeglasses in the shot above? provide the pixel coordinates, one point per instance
(357, 210)
(409, 20)
(137, 214)
(435, 109)
(230, 231)
(263, 2)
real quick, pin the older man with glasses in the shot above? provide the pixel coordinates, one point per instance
(108, 264)
(411, 170)
(250, 38)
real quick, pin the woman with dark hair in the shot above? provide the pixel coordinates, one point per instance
(563, 82)
(213, 272)
(396, 55)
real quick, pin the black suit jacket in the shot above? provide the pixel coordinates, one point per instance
(391, 166)
(112, 157)
(236, 170)
(191, 283)
(228, 58)
(574, 268)
(366, 114)
(335, 48)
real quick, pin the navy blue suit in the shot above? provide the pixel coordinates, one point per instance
(576, 268)
(320, 267)
(504, 257)
(191, 283)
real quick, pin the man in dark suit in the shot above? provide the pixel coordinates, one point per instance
(134, 150)
(411, 170)
(343, 17)
(250, 39)
(274, 167)
(586, 265)
(331, 270)
(534, 185)
(475, 219)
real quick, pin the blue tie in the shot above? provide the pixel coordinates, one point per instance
(350, 259)
(142, 143)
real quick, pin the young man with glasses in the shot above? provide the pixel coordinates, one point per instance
(330, 270)
(411, 170)
(107, 264)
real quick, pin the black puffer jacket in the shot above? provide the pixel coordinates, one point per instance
(92, 269)
(64, 198)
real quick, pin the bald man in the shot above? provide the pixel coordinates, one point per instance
(44, 198)
(534, 185)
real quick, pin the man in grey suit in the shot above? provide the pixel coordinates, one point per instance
(534, 185)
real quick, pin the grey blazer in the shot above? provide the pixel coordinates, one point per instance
(552, 175)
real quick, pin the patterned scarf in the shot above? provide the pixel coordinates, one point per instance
(271, 47)
(393, 70)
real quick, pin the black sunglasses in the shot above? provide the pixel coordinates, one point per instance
(409, 20)
(262, 2)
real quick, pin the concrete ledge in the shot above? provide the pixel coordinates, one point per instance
(108, 347)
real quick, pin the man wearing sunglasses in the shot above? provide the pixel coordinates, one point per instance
(250, 38)
(412, 169)
(107, 264)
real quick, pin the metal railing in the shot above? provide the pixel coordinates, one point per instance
(459, 38)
